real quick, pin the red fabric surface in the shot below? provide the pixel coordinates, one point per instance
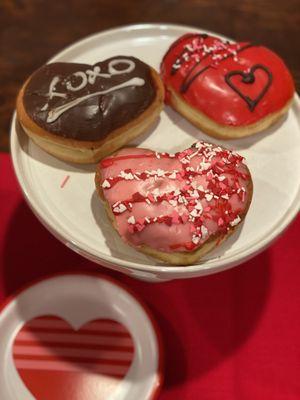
(234, 335)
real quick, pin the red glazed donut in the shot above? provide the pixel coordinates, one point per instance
(227, 89)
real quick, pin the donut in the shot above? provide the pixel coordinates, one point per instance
(229, 90)
(81, 113)
(175, 207)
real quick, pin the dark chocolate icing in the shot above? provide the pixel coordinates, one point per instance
(95, 117)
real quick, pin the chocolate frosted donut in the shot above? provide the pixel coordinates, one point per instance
(81, 113)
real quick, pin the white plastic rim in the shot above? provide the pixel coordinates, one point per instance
(79, 298)
(272, 157)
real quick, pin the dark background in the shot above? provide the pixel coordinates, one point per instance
(32, 31)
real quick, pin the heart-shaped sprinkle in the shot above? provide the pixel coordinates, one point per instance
(175, 202)
(87, 102)
(56, 362)
(200, 69)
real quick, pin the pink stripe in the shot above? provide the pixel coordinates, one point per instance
(92, 326)
(77, 338)
(72, 352)
(71, 367)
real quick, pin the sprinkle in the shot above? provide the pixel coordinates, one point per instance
(173, 203)
(64, 181)
(147, 220)
(173, 175)
(131, 220)
(106, 184)
(198, 206)
(209, 196)
(195, 239)
(127, 176)
(225, 196)
(120, 209)
(194, 213)
(220, 221)
(235, 221)
(204, 231)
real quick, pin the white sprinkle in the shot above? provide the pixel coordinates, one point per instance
(195, 239)
(106, 184)
(225, 196)
(204, 165)
(209, 196)
(160, 172)
(127, 176)
(222, 178)
(173, 175)
(120, 209)
(235, 221)
(148, 201)
(204, 231)
(147, 220)
(194, 213)
(157, 154)
(198, 206)
(131, 220)
(201, 188)
(173, 203)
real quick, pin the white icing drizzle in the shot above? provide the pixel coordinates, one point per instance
(89, 76)
(56, 112)
(52, 92)
(113, 71)
(83, 83)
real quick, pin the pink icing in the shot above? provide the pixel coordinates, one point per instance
(175, 202)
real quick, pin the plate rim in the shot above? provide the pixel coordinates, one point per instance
(209, 266)
(160, 371)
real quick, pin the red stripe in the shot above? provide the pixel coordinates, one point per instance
(111, 370)
(52, 344)
(92, 361)
(45, 322)
(72, 352)
(67, 329)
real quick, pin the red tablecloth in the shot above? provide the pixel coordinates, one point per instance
(234, 335)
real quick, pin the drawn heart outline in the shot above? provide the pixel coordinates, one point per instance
(249, 78)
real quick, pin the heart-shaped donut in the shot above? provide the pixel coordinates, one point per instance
(228, 89)
(175, 207)
(81, 112)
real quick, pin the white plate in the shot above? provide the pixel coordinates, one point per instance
(78, 299)
(76, 217)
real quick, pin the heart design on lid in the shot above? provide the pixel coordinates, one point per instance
(200, 69)
(57, 362)
(87, 102)
(175, 202)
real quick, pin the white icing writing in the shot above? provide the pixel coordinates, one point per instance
(56, 112)
(89, 76)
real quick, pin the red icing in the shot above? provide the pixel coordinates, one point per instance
(152, 206)
(211, 94)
